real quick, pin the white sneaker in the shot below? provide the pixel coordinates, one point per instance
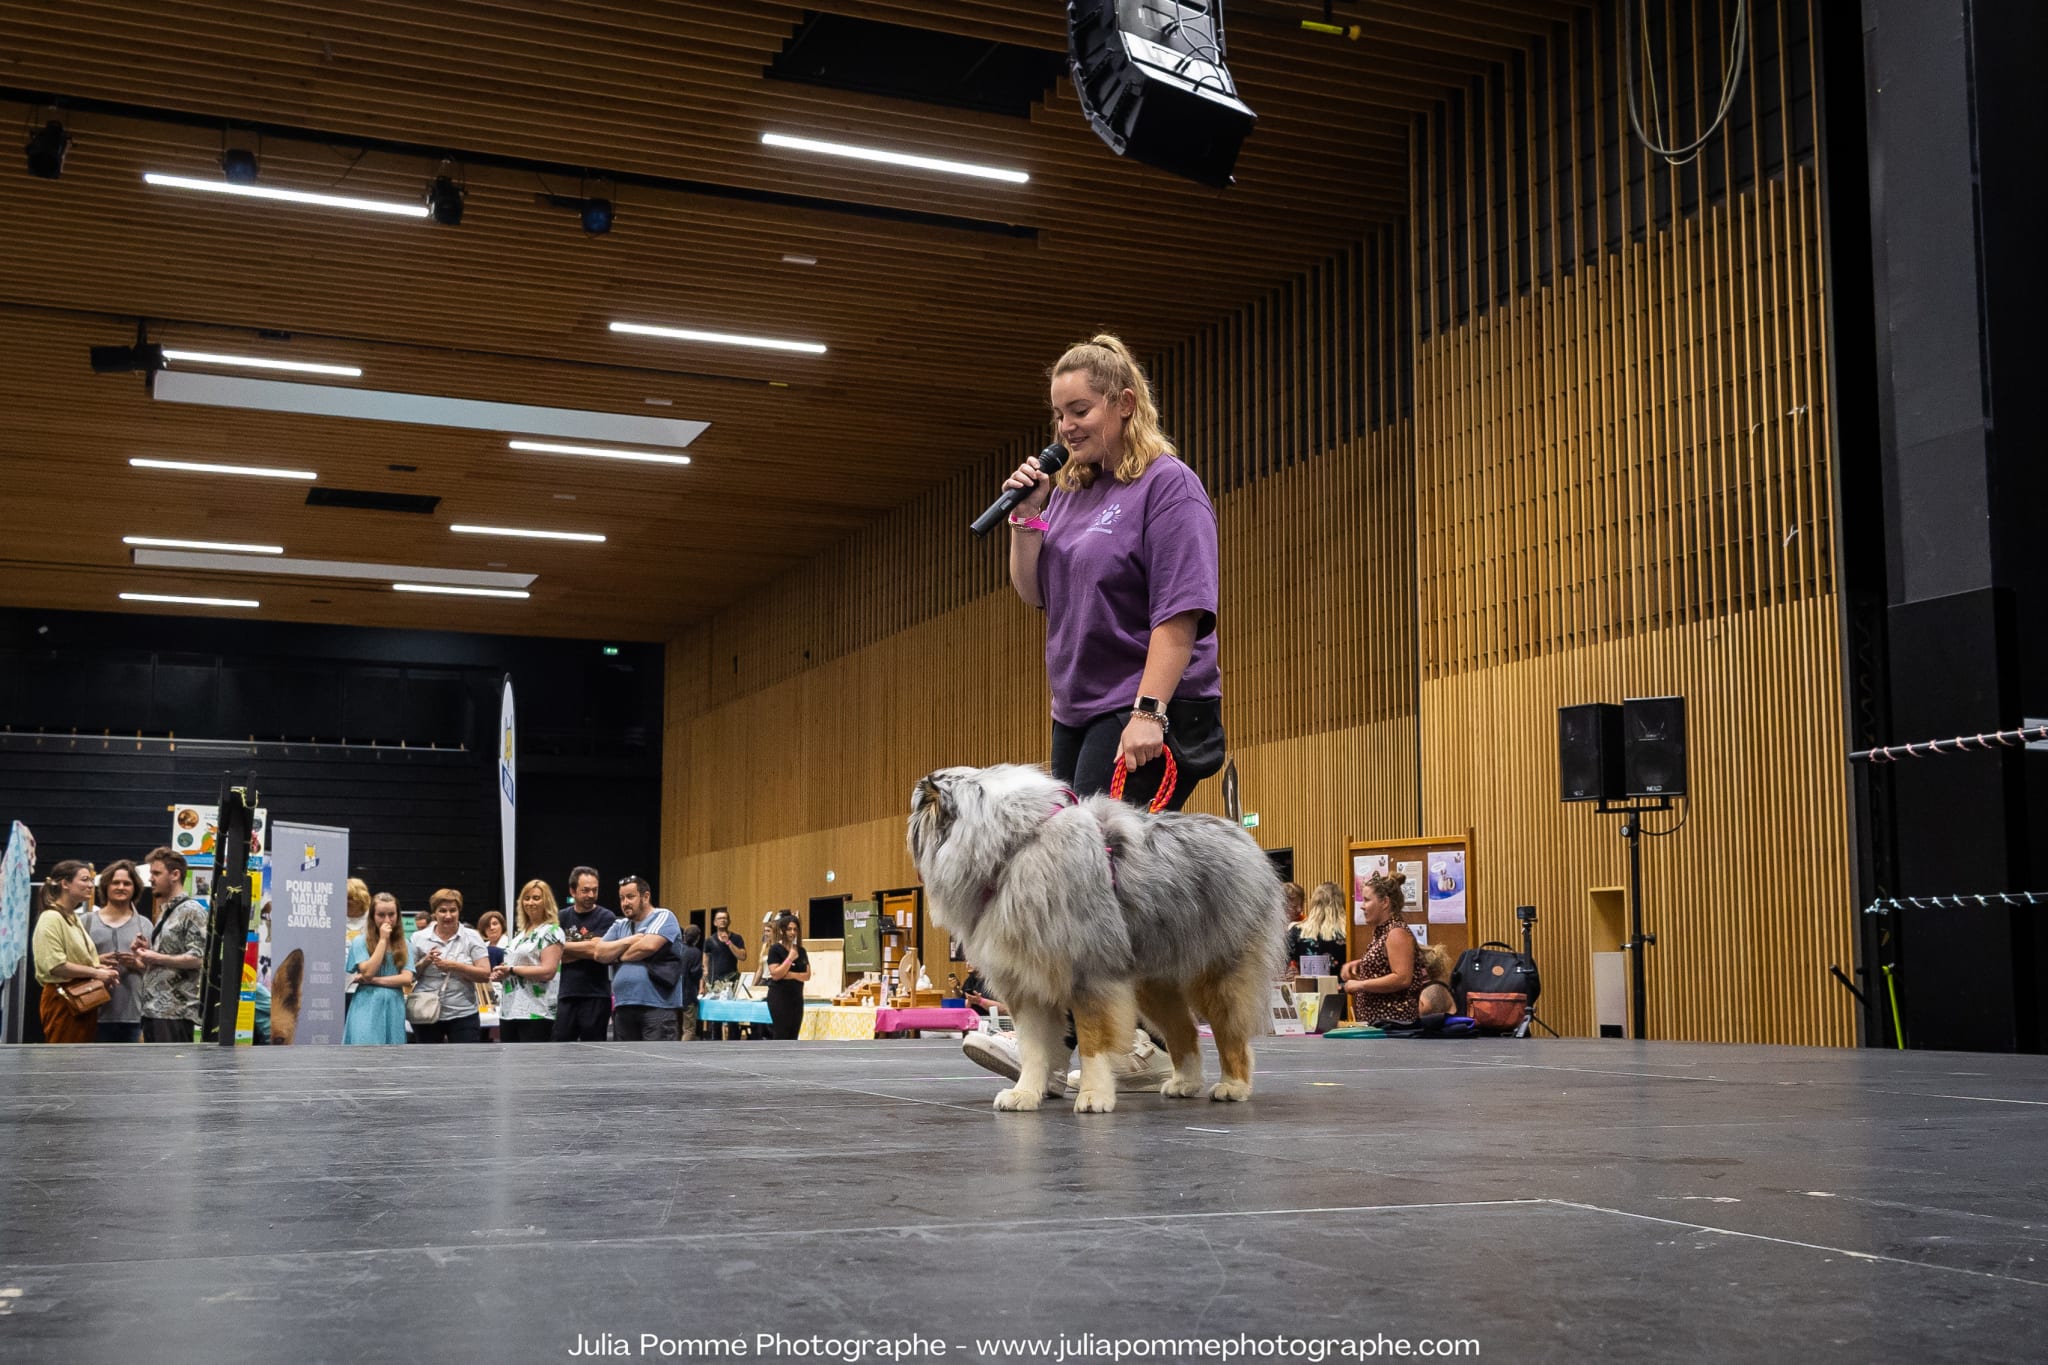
(998, 1053)
(1145, 1067)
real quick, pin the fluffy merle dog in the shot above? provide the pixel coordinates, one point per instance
(1106, 912)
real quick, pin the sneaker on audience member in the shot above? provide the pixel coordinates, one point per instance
(1145, 1067)
(998, 1053)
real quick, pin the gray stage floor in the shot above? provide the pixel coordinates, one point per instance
(1550, 1200)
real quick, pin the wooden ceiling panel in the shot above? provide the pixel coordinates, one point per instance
(938, 334)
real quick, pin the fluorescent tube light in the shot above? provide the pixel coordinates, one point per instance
(197, 467)
(203, 545)
(460, 592)
(720, 338)
(599, 452)
(190, 601)
(922, 163)
(293, 567)
(257, 362)
(530, 535)
(421, 409)
(396, 208)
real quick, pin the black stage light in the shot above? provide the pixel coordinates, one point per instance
(45, 151)
(140, 358)
(1152, 80)
(444, 201)
(239, 166)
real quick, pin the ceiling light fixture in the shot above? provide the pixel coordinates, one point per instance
(238, 164)
(720, 338)
(234, 546)
(190, 601)
(256, 362)
(922, 163)
(264, 394)
(587, 536)
(198, 467)
(45, 150)
(326, 201)
(444, 201)
(141, 358)
(599, 452)
(445, 590)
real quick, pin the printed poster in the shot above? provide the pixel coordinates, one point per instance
(1446, 886)
(1412, 888)
(194, 828)
(308, 933)
(1363, 865)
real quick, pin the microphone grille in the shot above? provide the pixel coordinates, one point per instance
(1051, 458)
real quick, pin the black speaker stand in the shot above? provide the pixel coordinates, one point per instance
(1632, 830)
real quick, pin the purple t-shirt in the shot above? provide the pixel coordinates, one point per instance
(1120, 559)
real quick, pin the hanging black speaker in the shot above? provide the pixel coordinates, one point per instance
(1589, 752)
(1653, 745)
(1152, 80)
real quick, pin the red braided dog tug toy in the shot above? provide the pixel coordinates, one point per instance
(1166, 783)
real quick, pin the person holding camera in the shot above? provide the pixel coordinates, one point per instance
(647, 975)
(725, 952)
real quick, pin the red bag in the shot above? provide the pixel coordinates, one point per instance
(1501, 1011)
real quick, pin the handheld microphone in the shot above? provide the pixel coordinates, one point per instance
(1050, 459)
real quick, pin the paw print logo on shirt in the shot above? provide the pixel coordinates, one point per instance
(1106, 519)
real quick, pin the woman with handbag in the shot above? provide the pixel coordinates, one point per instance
(74, 982)
(449, 959)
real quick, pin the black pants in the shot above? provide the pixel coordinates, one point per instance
(527, 1030)
(119, 1033)
(786, 1009)
(464, 1030)
(156, 1030)
(1084, 756)
(582, 1019)
(644, 1024)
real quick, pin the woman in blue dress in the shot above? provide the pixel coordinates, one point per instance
(376, 958)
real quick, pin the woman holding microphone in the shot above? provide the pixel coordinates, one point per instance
(1119, 551)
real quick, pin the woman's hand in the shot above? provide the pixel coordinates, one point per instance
(1142, 741)
(1029, 475)
(110, 975)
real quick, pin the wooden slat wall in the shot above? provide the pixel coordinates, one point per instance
(1623, 487)
(904, 649)
(1560, 437)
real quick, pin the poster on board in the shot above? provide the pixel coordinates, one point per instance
(1363, 865)
(1446, 881)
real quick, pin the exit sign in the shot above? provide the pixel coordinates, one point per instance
(1251, 820)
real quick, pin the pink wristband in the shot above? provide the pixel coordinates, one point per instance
(1029, 523)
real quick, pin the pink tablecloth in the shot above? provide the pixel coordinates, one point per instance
(902, 1021)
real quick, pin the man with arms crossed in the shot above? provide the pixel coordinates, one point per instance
(583, 1007)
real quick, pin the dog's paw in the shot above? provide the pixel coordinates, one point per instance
(1183, 1087)
(1231, 1090)
(1016, 1097)
(1095, 1102)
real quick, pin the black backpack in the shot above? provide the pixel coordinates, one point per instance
(1495, 986)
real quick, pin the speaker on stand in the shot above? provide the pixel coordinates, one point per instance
(1631, 759)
